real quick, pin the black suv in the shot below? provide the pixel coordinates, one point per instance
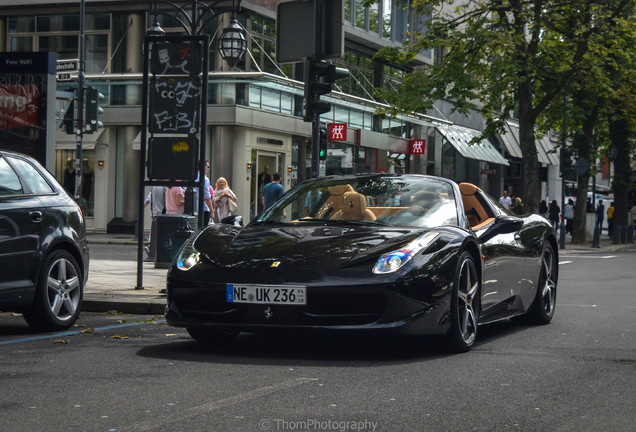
(43, 250)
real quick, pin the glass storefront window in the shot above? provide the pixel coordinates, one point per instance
(21, 24)
(96, 53)
(65, 46)
(58, 23)
(65, 174)
(22, 43)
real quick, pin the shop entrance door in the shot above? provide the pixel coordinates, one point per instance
(265, 164)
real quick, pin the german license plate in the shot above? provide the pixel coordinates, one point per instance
(266, 294)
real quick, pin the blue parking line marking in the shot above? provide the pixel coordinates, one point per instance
(74, 332)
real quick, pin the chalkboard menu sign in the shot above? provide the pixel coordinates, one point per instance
(175, 94)
(175, 105)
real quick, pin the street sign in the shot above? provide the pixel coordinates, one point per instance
(67, 66)
(65, 76)
(581, 166)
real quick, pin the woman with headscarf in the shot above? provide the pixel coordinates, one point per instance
(222, 196)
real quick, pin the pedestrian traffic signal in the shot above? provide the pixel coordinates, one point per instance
(319, 77)
(93, 109)
(322, 149)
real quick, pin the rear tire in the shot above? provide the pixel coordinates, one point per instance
(542, 310)
(212, 336)
(58, 295)
(465, 305)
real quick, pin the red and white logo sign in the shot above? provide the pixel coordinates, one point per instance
(337, 131)
(418, 146)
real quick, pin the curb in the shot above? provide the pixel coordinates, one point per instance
(124, 306)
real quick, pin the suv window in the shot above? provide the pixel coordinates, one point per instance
(32, 177)
(9, 181)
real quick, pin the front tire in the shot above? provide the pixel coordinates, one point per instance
(465, 305)
(542, 310)
(58, 295)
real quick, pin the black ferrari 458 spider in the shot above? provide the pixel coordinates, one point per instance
(411, 254)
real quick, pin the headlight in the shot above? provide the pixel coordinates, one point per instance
(392, 261)
(188, 256)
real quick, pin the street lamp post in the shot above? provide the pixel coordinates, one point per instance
(232, 46)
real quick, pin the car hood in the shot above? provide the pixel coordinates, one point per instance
(312, 246)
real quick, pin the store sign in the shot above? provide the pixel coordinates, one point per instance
(488, 171)
(418, 146)
(337, 131)
(18, 105)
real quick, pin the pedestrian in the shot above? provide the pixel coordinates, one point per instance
(518, 208)
(553, 214)
(568, 214)
(157, 201)
(208, 205)
(222, 197)
(505, 200)
(600, 214)
(175, 200)
(543, 209)
(589, 207)
(610, 219)
(272, 191)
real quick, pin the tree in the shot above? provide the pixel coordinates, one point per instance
(601, 97)
(498, 56)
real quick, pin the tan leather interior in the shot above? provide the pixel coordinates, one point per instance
(475, 212)
(381, 212)
(334, 202)
(354, 207)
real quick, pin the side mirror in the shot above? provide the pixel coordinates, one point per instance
(503, 224)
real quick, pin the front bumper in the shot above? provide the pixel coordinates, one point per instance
(419, 307)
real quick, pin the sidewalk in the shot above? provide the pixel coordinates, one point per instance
(111, 283)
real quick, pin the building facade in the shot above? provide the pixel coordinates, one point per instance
(254, 124)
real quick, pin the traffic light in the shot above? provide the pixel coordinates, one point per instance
(322, 148)
(93, 99)
(319, 76)
(566, 161)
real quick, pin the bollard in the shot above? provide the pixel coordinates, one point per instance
(597, 236)
(616, 234)
(630, 233)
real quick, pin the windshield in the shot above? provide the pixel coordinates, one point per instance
(414, 201)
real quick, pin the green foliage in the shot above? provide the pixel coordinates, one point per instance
(501, 55)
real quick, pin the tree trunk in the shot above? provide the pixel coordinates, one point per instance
(584, 142)
(531, 186)
(622, 174)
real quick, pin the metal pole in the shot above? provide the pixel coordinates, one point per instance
(142, 169)
(79, 133)
(563, 138)
(315, 125)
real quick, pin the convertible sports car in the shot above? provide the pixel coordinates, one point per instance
(411, 254)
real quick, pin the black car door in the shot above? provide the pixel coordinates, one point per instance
(19, 233)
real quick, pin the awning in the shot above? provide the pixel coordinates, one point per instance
(64, 141)
(544, 147)
(511, 142)
(460, 137)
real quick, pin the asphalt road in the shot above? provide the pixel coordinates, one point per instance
(134, 373)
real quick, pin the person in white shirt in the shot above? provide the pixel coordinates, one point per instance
(505, 200)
